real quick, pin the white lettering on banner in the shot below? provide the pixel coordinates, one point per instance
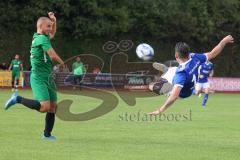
(225, 84)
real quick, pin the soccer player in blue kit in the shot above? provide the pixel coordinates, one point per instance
(186, 73)
(204, 71)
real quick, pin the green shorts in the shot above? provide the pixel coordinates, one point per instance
(44, 89)
(15, 75)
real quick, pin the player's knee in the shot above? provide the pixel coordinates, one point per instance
(53, 108)
(206, 90)
(45, 107)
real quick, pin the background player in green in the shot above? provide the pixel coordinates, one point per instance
(43, 89)
(16, 66)
(78, 70)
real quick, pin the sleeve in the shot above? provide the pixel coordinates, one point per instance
(201, 57)
(179, 79)
(45, 43)
(12, 62)
(212, 66)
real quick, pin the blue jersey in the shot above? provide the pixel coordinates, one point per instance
(203, 72)
(187, 73)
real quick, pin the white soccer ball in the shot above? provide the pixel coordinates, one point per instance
(145, 51)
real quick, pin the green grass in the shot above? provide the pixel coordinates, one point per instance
(212, 133)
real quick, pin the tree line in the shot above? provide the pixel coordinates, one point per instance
(84, 26)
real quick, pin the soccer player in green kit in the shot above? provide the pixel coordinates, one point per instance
(78, 70)
(16, 66)
(41, 58)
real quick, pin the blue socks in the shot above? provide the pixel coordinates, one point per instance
(205, 98)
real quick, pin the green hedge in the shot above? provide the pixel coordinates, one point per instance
(85, 25)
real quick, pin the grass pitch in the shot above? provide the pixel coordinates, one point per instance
(125, 133)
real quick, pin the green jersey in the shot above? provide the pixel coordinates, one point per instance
(16, 65)
(78, 68)
(40, 61)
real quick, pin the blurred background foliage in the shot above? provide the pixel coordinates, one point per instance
(85, 25)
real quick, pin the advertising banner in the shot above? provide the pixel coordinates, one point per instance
(6, 79)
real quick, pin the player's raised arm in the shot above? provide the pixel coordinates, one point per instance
(171, 99)
(51, 52)
(54, 26)
(216, 50)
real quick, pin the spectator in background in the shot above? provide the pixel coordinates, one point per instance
(78, 70)
(96, 70)
(16, 67)
(3, 66)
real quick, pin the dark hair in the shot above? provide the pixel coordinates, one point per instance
(183, 49)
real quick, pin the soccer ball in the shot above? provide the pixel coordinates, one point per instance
(145, 51)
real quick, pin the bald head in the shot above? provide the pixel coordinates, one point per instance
(44, 25)
(42, 20)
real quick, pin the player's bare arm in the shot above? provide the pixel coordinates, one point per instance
(216, 50)
(54, 26)
(171, 99)
(10, 67)
(51, 52)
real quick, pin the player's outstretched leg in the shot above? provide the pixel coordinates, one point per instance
(162, 87)
(15, 98)
(43, 106)
(12, 101)
(160, 67)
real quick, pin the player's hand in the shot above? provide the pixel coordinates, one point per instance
(157, 112)
(52, 16)
(228, 39)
